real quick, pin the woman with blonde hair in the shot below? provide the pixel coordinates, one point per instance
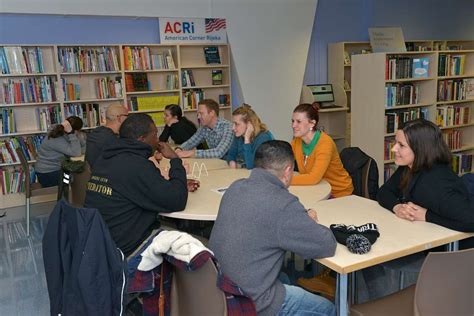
(249, 133)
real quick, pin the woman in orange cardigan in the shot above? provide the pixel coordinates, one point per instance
(316, 153)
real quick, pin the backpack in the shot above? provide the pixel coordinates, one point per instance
(359, 166)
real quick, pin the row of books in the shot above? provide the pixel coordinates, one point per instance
(72, 91)
(48, 116)
(191, 98)
(458, 89)
(137, 82)
(187, 78)
(453, 139)
(143, 58)
(87, 59)
(451, 65)
(28, 90)
(396, 119)
(387, 152)
(29, 146)
(388, 171)
(401, 94)
(462, 163)
(7, 121)
(92, 115)
(453, 115)
(406, 67)
(12, 181)
(107, 88)
(21, 60)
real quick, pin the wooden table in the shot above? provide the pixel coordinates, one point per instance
(398, 238)
(198, 165)
(204, 203)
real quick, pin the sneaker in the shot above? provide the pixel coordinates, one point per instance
(323, 283)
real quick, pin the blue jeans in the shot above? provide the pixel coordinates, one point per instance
(300, 302)
(49, 179)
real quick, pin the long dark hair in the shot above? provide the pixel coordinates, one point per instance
(311, 111)
(175, 110)
(58, 130)
(426, 141)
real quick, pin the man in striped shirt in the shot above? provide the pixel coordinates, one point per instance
(216, 131)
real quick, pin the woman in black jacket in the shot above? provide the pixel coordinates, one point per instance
(178, 127)
(424, 187)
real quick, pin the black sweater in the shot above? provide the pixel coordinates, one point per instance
(129, 191)
(179, 132)
(439, 190)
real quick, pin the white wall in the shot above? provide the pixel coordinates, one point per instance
(269, 41)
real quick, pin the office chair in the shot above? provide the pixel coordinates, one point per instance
(445, 286)
(195, 293)
(32, 189)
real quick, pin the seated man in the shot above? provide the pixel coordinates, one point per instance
(129, 190)
(103, 135)
(216, 131)
(258, 221)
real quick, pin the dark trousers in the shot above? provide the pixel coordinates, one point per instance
(49, 179)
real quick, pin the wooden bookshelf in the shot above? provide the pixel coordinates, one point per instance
(340, 62)
(369, 98)
(92, 77)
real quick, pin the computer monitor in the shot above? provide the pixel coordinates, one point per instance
(322, 93)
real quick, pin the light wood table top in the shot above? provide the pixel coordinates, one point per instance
(398, 237)
(204, 203)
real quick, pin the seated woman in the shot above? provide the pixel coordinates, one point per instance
(62, 142)
(316, 153)
(178, 127)
(249, 133)
(424, 187)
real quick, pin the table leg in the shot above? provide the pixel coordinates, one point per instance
(454, 246)
(341, 295)
(353, 288)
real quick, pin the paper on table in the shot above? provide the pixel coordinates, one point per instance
(220, 191)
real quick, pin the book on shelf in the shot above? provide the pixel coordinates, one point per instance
(187, 78)
(216, 77)
(21, 60)
(462, 163)
(28, 90)
(80, 59)
(451, 65)
(455, 89)
(453, 138)
(7, 121)
(395, 119)
(191, 98)
(89, 113)
(211, 54)
(469, 82)
(137, 82)
(107, 88)
(45, 117)
(29, 146)
(452, 115)
(172, 82)
(224, 99)
(401, 94)
(420, 67)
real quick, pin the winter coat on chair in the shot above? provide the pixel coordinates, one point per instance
(85, 271)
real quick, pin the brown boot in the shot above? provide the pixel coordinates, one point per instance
(323, 284)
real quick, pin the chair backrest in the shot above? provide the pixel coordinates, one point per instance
(363, 171)
(26, 170)
(78, 185)
(445, 284)
(195, 293)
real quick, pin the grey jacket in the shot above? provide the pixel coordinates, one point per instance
(258, 221)
(53, 150)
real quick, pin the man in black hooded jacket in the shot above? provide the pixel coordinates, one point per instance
(129, 190)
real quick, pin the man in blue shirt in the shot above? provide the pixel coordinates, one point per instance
(217, 132)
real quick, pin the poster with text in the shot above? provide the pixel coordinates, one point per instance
(193, 30)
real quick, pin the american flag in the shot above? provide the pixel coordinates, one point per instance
(214, 25)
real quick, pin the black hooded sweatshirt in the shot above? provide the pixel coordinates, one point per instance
(129, 191)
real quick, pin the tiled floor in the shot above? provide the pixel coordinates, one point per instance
(23, 288)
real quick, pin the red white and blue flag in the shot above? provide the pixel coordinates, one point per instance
(213, 25)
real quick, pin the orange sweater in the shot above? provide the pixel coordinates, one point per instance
(323, 163)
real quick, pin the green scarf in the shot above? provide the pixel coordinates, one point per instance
(308, 149)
